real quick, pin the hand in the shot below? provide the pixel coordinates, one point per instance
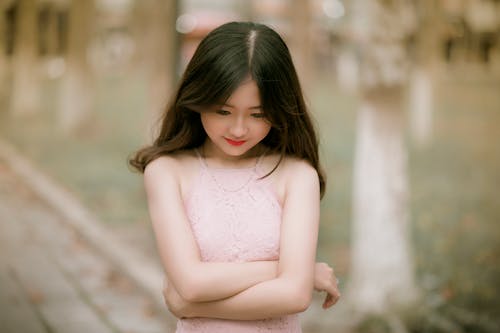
(325, 280)
(175, 303)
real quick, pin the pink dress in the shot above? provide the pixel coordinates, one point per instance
(235, 217)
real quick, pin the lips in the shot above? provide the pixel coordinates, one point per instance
(234, 142)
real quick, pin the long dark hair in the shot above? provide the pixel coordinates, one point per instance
(222, 61)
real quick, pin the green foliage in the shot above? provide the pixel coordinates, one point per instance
(373, 324)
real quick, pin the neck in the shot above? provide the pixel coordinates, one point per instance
(210, 152)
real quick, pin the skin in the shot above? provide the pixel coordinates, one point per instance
(324, 281)
(240, 118)
(240, 291)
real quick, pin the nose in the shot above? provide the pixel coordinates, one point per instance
(238, 128)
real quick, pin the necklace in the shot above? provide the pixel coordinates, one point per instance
(232, 190)
(224, 189)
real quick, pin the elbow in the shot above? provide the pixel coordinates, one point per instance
(301, 299)
(298, 293)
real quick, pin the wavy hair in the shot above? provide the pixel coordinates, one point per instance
(222, 61)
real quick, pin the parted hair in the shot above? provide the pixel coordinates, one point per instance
(226, 57)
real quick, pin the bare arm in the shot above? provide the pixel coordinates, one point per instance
(324, 281)
(291, 291)
(195, 280)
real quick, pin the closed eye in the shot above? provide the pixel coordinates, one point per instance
(223, 112)
(258, 115)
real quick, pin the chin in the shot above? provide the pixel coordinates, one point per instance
(235, 151)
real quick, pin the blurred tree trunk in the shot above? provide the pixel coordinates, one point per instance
(76, 95)
(50, 32)
(25, 96)
(156, 36)
(301, 39)
(424, 73)
(382, 275)
(4, 65)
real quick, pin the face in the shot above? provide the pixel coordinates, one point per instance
(237, 126)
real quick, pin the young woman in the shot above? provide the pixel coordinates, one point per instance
(233, 185)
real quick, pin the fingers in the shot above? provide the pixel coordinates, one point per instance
(326, 280)
(330, 300)
(333, 294)
(327, 302)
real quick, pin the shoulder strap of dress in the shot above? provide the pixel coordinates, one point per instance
(200, 158)
(260, 158)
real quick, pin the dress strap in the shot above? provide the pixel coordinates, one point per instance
(201, 159)
(260, 158)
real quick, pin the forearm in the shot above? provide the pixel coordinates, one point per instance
(272, 298)
(210, 281)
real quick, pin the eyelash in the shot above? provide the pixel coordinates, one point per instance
(259, 115)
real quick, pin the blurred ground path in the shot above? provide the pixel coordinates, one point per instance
(51, 281)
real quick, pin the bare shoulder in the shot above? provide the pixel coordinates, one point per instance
(161, 165)
(169, 168)
(291, 174)
(300, 178)
(295, 168)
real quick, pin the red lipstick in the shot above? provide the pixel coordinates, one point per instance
(234, 143)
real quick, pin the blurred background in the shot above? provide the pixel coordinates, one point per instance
(406, 98)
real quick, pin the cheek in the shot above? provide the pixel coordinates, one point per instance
(264, 129)
(209, 124)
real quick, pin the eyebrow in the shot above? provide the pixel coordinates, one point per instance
(251, 108)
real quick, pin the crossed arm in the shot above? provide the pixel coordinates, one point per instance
(324, 280)
(242, 291)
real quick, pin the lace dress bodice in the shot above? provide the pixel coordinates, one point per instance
(235, 217)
